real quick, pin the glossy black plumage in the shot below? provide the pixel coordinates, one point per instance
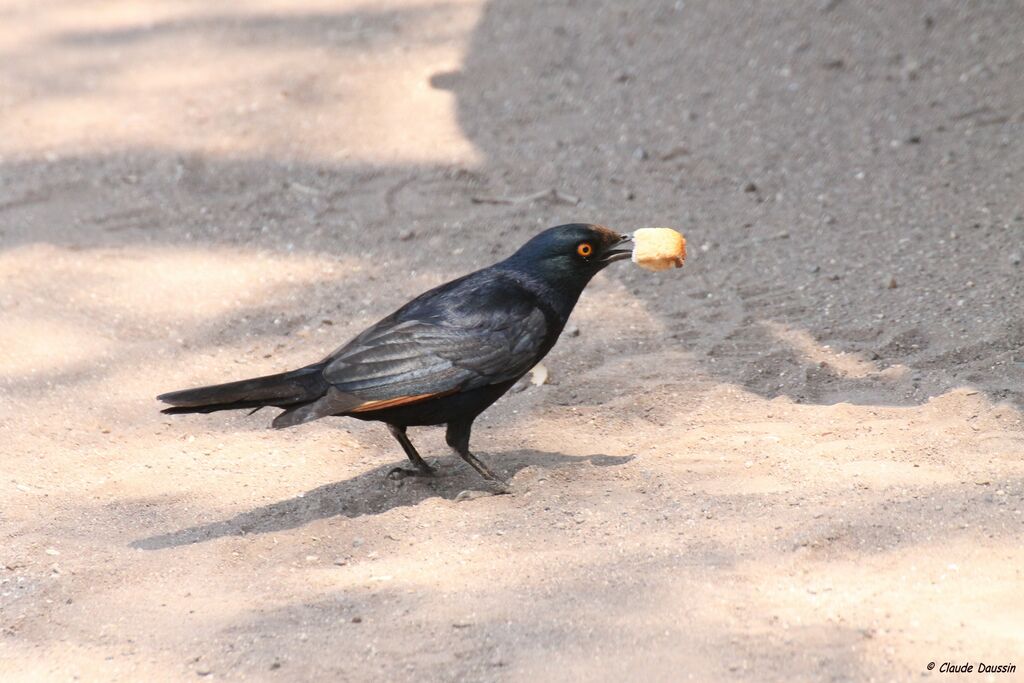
(445, 356)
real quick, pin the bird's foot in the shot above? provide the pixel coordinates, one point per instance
(501, 487)
(400, 473)
(473, 494)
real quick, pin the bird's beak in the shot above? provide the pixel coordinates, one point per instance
(618, 250)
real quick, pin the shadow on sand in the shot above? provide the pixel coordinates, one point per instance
(370, 493)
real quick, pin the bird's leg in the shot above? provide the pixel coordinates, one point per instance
(422, 468)
(457, 437)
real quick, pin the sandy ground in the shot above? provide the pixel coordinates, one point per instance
(799, 458)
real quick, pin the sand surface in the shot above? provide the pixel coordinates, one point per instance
(801, 457)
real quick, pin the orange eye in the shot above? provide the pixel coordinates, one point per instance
(585, 249)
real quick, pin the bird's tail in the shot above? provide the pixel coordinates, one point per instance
(282, 390)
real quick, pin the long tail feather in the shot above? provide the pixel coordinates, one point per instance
(281, 390)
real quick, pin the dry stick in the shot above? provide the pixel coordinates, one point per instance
(993, 118)
(552, 194)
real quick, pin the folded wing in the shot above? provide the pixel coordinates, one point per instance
(397, 361)
(420, 357)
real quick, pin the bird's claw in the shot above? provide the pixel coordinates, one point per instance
(471, 494)
(400, 473)
(500, 489)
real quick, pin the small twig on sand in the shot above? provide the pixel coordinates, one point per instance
(972, 112)
(553, 194)
(982, 116)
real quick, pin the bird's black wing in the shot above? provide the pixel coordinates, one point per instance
(467, 334)
(422, 357)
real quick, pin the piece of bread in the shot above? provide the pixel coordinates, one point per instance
(658, 248)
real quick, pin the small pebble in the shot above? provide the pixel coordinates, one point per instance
(538, 374)
(750, 187)
(640, 154)
(1015, 259)
(892, 283)
(406, 235)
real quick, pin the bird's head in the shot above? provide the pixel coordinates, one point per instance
(571, 254)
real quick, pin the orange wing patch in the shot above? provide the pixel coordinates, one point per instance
(399, 401)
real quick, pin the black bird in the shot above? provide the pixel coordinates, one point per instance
(442, 358)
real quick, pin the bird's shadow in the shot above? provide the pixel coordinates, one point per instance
(370, 493)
